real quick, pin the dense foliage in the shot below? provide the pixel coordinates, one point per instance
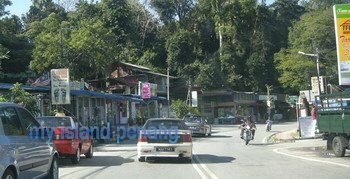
(21, 97)
(180, 109)
(238, 44)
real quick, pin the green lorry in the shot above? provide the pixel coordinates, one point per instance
(333, 120)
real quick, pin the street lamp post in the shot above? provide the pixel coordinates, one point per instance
(318, 69)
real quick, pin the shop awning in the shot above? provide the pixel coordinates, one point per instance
(153, 98)
(7, 86)
(104, 95)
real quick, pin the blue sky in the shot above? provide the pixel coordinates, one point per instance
(20, 7)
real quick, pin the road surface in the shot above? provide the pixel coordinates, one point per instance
(223, 155)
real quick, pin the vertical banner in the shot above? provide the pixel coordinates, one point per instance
(342, 32)
(60, 91)
(194, 99)
(146, 90)
(307, 127)
(314, 85)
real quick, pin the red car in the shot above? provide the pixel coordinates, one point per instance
(69, 142)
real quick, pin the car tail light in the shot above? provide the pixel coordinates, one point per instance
(143, 138)
(187, 138)
(57, 133)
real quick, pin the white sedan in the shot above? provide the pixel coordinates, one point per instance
(164, 138)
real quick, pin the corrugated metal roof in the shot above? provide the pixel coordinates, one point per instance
(7, 86)
(104, 95)
(135, 66)
(158, 98)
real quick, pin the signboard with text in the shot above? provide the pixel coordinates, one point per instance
(292, 99)
(342, 31)
(60, 89)
(194, 99)
(314, 85)
(307, 127)
(146, 90)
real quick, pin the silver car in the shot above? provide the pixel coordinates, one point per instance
(21, 154)
(197, 125)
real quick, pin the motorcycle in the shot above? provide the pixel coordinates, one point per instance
(247, 134)
(268, 125)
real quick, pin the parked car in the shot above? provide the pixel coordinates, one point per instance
(67, 147)
(174, 140)
(229, 119)
(22, 156)
(197, 125)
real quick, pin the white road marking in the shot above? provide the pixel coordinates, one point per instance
(309, 159)
(210, 173)
(199, 171)
(265, 139)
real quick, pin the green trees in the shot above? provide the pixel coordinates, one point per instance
(15, 50)
(314, 30)
(180, 109)
(93, 37)
(19, 96)
(3, 4)
(238, 44)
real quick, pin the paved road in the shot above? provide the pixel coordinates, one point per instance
(223, 155)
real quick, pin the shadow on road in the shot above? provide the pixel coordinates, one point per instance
(220, 136)
(272, 131)
(207, 158)
(213, 136)
(97, 161)
(166, 160)
(261, 144)
(204, 158)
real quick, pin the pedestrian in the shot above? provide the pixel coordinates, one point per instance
(314, 117)
(313, 112)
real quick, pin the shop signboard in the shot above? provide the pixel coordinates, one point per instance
(60, 89)
(342, 32)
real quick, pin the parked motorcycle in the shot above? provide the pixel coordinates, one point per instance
(247, 134)
(268, 125)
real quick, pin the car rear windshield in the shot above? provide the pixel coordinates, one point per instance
(165, 124)
(55, 121)
(193, 119)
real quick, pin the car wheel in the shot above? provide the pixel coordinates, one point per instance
(76, 158)
(339, 145)
(209, 134)
(8, 174)
(188, 160)
(142, 159)
(53, 172)
(90, 153)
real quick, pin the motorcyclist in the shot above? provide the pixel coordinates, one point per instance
(249, 120)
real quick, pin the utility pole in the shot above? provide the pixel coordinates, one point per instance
(61, 39)
(317, 55)
(189, 97)
(168, 89)
(318, 74)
